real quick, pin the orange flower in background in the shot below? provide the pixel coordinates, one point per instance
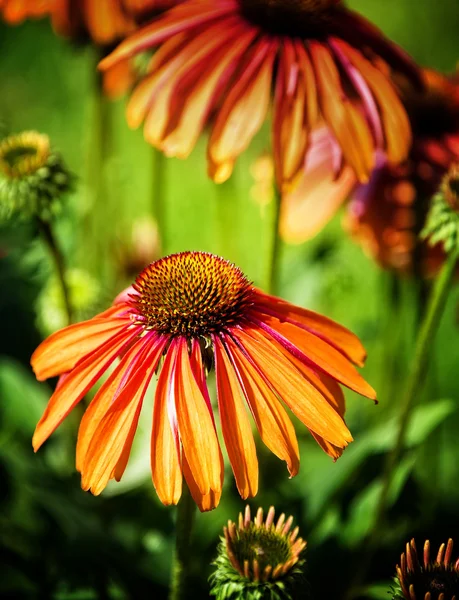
(219, 60)
(16, 11)
(386, 215)
(186, 314)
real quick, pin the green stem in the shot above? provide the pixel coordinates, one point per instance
(273, 282)
(180, 564)
(158, 186)
(59, 263)
(416, 377)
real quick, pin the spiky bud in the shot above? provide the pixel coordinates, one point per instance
(426, 579)
(442, 224)
(33, 178)
(260, 560)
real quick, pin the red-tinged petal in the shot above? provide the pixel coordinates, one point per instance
(347, 124)
(235, 424)
(243, 110)
(64, 349)
(77, 383)
(166, 462)
(319, 194)
(199, 51)
(200, 87)
(115, 432)
(312, 349)
(106, 395)
(303, 398)
(197, 432)
(275, 427)
(205, 502)
(181, 18)
(331, 332)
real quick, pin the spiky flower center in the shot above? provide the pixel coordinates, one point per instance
(192, 294)
(23, 154)
(295, 18)
(266, 546)
(435, 579)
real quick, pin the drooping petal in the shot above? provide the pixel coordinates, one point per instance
(346, 122)
(62, 350)
(312, 349)
(106, 395)
(197, 432)
(275, 427)
(243, 110)
(165, 456)
(303, 399)
(183, 17)
(331, 332)
(116, 429)
(77, 383)
(205, 502)
(235, 424)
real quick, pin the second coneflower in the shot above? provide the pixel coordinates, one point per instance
(218, 61)
(186, 314)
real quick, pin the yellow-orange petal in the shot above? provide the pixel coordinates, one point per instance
(322, 354)
(76, 384)
(115, 432)
(62, 350)
(348, 125)
(303, 398)
(197, 433)
(165, 452)
(104, 398)
(333, 333)
(244, 109)
(275, 427)
(235, 424)
(205, 502)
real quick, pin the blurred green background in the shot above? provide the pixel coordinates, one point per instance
(57, 541)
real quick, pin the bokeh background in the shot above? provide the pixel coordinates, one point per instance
(130, 206)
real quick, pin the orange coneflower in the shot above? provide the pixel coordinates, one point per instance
(386, 215)
(185, 314)
(16, 11)
(218, 61)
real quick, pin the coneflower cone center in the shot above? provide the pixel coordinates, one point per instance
(436, 579)
(266, 546)
(23, 154)
(451, 187)
(294, 18)
(193, 294)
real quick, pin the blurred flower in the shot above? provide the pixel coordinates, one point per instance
(141, 249)
(218, 62)
(16, 11)
(33, 179)
(259, 559)
(262, 172)
(188, 312)
(387, 215)
(84, 292)
(427, 580)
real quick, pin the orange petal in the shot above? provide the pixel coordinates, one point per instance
(235, 424)
(165, 452)
(106, 21)
(105, 397)
(173, 22)
(61, 351)
(346, 122)
(243, 110)
(334, 334)
(275, 427)
(76, 384)
(321, 354)
(205, 502)
(114, 434)
(319, 192)
(303, 398)
(197, 433)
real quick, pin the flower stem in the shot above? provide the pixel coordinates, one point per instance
(59, 263)
(273, 281)
(158, 187)
(180, 564)
(424, 343)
